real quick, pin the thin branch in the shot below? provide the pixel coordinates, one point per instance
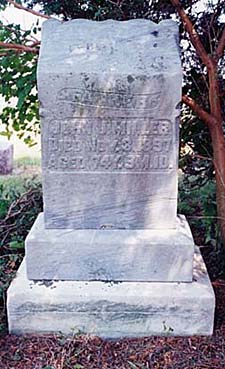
(204, 115)
(21, 48)
(221, 45)
(34, 38)
(116, 4)
(201, 157)
(209, 27)
(197, 86)
(17, 33)
(19, 6)
(35, 43)
(194, 37)
(213, 16)
(8, 28)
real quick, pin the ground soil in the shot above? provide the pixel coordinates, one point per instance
(84, 352)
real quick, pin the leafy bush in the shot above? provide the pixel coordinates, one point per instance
(197, 201)
(20, 203)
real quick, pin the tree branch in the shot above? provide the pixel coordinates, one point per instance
(19, 48)
(33, 40)
(204, 115)
(194, 37)
(221, 45)
(35, 43)
(17, 32)
(19, 6)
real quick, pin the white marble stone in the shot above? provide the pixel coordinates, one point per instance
(112, 309)
(6, 156)
(109, 101)
(110, 255)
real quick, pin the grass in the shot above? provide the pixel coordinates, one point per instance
(20, 203)
(27, 161)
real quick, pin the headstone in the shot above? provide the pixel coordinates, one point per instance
(109, 128)
(6, 156)
(110, 238)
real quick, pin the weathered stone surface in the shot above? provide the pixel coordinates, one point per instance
(113, 309)
(6, 156)
(109, 112)
(110, 255)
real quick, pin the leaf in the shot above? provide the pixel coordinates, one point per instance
(132, 365)
(22, 95)
(3, 207)
(6, 134)
(16, 245)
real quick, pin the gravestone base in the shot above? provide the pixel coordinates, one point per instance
(110, 254)
(112, 310)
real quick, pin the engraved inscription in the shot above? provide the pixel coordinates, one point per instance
(112, 100)
(109, 144)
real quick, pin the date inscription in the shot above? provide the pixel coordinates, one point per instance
(109, 144)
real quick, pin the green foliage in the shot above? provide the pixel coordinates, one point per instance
(196, 150)
(20, 203)
(18, 86)
(197, 201)
(195, 136)
(104, 9)
(18, 70)
(22, 199)
(27, 162)
(3, 4)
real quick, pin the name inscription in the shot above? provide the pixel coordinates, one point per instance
(109, 144)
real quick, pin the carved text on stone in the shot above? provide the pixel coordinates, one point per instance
(109, 144)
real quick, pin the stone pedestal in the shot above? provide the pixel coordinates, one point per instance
(109, 255)
(113, 310)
